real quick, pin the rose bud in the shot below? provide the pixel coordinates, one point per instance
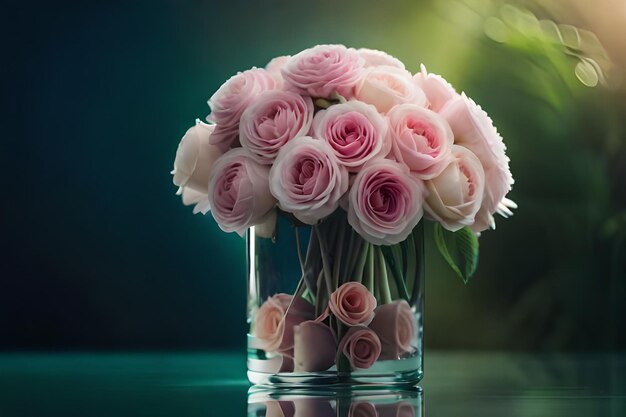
(352, 304)
(361, 346)
(394, 324)
(315, 346)
(387, 86)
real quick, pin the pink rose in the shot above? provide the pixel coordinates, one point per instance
(421, 139)
(375, 58)
(315, 346)
(239, 194)
(387, 86)
(438, 91)
(231, 99)
(362, 409)
(194, 158)
(385, 202)
(324, 70)
(474, 130)
(394, 323)
(361, 346)
(307, 179)
(272, 120)
(456, 195)
(352, 304)
(275, 329)
(355, 131)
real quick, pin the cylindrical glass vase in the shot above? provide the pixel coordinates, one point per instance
(326, 307)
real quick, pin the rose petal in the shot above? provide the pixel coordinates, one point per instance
(315, 346)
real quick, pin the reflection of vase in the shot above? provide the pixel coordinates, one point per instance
(345, 403)
(327, 307)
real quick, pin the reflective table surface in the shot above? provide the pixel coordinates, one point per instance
(455, 384)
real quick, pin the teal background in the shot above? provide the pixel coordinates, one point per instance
(98, 252)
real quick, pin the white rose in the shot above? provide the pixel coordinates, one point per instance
(194, 158)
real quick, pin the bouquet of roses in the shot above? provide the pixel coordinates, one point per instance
(352, 144)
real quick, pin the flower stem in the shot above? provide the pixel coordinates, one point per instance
(383, 280)
(338, 255)
(394, 261)
(326, 267)
(299, 248)
(319, 299)
(411, 263)
(369, 271)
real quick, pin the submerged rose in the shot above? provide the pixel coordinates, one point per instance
(239, 194)
(421, 139)
(474, 130)
(355, 131)
(361, 346)
(315, 346)
(398, 409)
(307, 179)
(456, 195)
(324, 70)
(394, 324)
(352, 304)
(274, 328)
(385, 202)
(375, 58)
(438, 91)
(387, 86)
(232, 98)
(272, 120)
(362, 409)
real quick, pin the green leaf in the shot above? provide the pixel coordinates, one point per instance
(459, 249)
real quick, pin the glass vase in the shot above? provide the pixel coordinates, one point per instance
(327, 308)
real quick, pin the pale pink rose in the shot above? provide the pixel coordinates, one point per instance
(307, 179)
(375, 58)
(474, 130)
(421, 139)
(274, 328)
(398, 409)
(231, 99)
(239, 194)
(438, 91)
(315, 347)
(385, 202)
(394, 323)
(362, 409)
(276, 64)
(387, 86)
(324, 70)
(355, 131)
(361, 346)
(272, 120)
(456, 195)
(352, 304)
